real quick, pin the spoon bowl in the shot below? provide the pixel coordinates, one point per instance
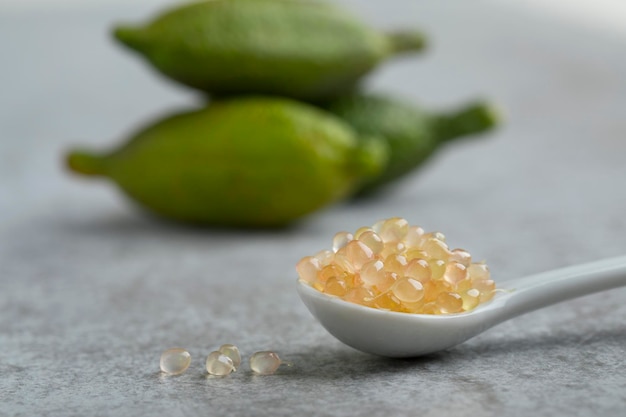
(397, 335)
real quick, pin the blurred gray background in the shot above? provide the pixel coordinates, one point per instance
(92, 290)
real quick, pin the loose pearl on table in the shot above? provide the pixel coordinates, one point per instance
(265, 362)
(175, 361)
(219, 364)
(233, 353)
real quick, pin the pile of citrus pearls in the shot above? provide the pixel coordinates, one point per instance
(397, 267)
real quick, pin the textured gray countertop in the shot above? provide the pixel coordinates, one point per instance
(92, 291)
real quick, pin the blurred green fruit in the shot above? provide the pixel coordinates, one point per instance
(303, 49)
(412, 134)
(247, 162)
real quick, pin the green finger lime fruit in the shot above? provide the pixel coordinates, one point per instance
(247, 162)
(412, 134)
(303, 49)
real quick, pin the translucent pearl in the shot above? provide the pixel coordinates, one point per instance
(359, 232)
(330, 271)
(418, 269)
(264, 363)
(344, 262)
(439, 236)
(388, 301)
(359, 295)
(461, 256)
(357, 253)
(455, 273)
(233, 353)
(372, 241)
(449, 302)
(430, 308)
(441, 285)
(394, 229)
(479, 271)
(353, 280)
(414, 308)
(341, 239)
(413, 236)
(414, 253)
(219, 364)
(175, 361)
(325, 257)
(408, 290)
(464, 285)
(437, 249)
(392, 248)
(336, 287)
(471, 299)
(385, 285)
(377, 227)
(486, 287)
(395, 264)
(307, 268)
(437, 267)
(373, 273)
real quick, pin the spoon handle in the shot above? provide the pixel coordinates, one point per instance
(541, 290)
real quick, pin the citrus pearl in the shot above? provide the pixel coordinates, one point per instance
(414, 253)
(361, 230)
(464, 285)
(336, 287)
(264, 363)
(408, 290)
(439, 236)
(437, 267)
(455, 272)
(372, 241)
(415, 308)
(390, 279)
(413, 236)
(471, 299)
(486, 287)
(395, 264)
(373, 273)
(394, 229)
(430, 308)
(387, 302)
(418, 269)
(307, 268)
(357, 253)
(325, 257)
(353, 281)
(341, 239)
(175, 361)
(377, 227)
(461, 256)
(219, 364)
(330, 271)
(436, 249)
(392, 248)
(233, 353)
(343, 261)
(359, 295)
(479, 271)
(449, 302)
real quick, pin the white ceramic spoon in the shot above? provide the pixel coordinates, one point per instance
(398, 335)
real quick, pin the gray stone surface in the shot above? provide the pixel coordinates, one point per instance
(92, 291)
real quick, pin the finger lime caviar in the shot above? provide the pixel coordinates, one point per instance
(398, 267)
